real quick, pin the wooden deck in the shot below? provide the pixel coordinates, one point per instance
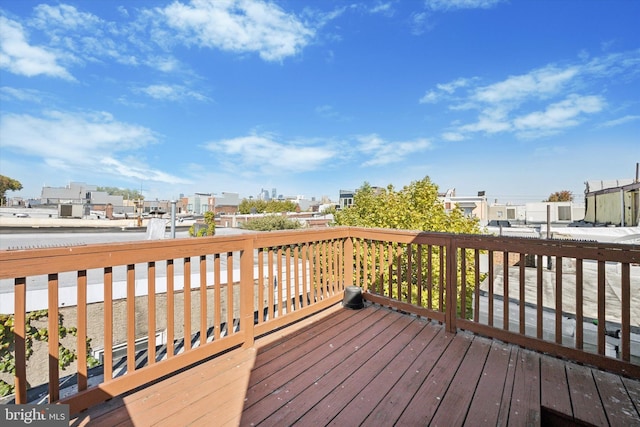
(377, 367)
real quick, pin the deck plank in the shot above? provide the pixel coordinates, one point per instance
(376, 390)
(460, 392)
(396, 400)
(485, 406)
(345, 392)
(585, 399)
(375, 366)
(617, 403)
(554, 389)
(525, 398)
(271, 393)
(429, 396)
(303, 402)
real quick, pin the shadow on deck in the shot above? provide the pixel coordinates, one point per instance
(377, 366)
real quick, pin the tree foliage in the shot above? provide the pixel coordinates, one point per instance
(124, 192)
(209, 230)
(271, 223)
(414, 207)
(263, 206)
(8, 184)
(560, 196)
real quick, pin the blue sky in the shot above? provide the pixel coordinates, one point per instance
(516, 98)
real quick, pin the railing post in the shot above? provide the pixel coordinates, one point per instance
(451, 285)
(247, 292)
(19, 331)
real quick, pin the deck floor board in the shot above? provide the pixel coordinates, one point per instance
(374, 367)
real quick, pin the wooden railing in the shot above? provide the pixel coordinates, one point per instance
(207, 295)
(577, 300)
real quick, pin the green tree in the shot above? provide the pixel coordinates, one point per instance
(247, 206)
(8, 184)
(414, 207)
(124, 192)
(271, 223)
(560, 196)
(209, 230)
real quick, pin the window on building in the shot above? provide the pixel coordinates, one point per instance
(564, 213)
(511, 213)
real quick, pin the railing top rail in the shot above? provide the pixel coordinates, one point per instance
(22, 263)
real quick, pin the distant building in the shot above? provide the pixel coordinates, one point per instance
(227, 203)
(472, 206)
(613, 203)
(199, 203)
(346, 198)
(536, 212)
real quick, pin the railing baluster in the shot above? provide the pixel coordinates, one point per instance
(296, 279)
(108, 323)
(305, 274)
(476, 289)
(463, 283)
(409, 272)
(429, 277)
(390, 269)
(260, 285)
(230, 298)
(625, 342)
(579, 305)
(491, 284)
(289, 306)
(381, 269)
(217, 295)
(131, 317)
(419, 261)
(558, 332)
(19, 330)
(601, 307)
(54, 355)
(358, 263)
(170, 310)
(151, 313)
(521, 289)
(539, 308)
(505, 290)
(203, 298)
(187, 302)
(279, 274)
(81, 333)
(271, 283)
(399, 272)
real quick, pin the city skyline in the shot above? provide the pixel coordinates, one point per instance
(517, 99)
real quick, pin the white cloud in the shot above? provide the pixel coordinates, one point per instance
(444, 90)
(382, 152)
(563, 114)
(63, 15)
(540, 83)
(267, 154)
(83, 142)
(383, 8)
(445, 5)
(171, 92)
(239, 26)
(541, 102)
(19, 57)
(620, 121)
(453, 136)
(29, 95)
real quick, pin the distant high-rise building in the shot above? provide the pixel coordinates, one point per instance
(274, 193)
